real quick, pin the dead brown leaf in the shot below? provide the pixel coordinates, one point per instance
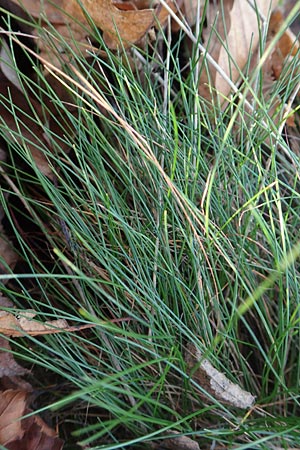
(24, 324)
(178, 443)
(27, 434)
(19, 122)
(127, 26)
(232, 34)
(8, 366)
(215, 382)
(282, 53)
(162, 14)
(12, 407)
(286, 47)
(26, 126)
(11, 372)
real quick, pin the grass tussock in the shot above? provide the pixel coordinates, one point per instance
(163, 227)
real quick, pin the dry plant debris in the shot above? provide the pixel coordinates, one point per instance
(8, 366)
(31, 132)
(232, 40)
(124, 23)
(228, 38)
(177, 442)
(215, 382)
(24, 324)
(16, 432)
(30, 433)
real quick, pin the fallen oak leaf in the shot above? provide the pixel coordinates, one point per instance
(18, 124)
(12, 407)
(242, 38)
(161, 13)
(30, 433)
(10, 325)
(232, 34)
(278, 63)
(10, 370)
(117, 25)
(67, 31)
(38, 436)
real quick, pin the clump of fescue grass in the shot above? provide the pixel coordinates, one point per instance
(162, 228)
